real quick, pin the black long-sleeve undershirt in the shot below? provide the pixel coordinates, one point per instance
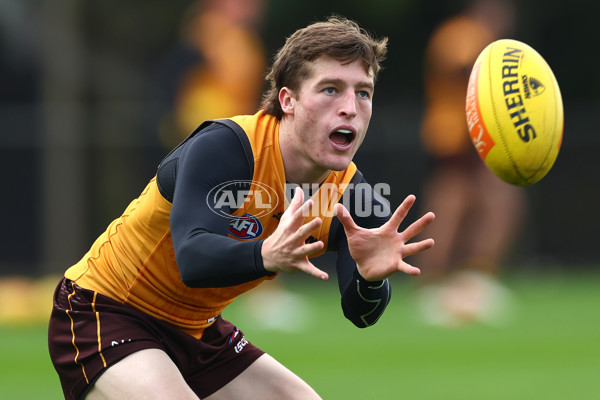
(206, 257)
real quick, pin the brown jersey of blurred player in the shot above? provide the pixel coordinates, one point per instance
(478, 215)
(225, 77)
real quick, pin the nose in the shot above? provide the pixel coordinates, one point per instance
(348, 106)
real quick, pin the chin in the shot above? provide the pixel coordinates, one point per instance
(339, 165)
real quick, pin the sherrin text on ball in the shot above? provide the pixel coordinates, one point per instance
(514, 112)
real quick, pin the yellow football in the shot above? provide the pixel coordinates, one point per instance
(514, 112)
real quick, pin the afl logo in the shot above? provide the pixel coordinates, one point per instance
(227, 197)
(245, 227)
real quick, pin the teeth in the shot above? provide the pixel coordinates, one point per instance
(345, 131)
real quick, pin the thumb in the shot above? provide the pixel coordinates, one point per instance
(310, 269)
(345, 218)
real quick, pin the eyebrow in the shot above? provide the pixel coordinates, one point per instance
(362, 84)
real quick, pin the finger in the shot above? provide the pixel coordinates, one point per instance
(408, 269)
(401, 212)
(417, 227)
(309, 248)
(305, 230)
(345, 218)
(308, 268)
(298, 212)
(304, 210)
(297, 201)
(412, 249)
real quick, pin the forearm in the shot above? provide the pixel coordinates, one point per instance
(363, 302)
(211, 260)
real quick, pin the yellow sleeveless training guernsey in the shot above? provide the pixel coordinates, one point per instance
(133, 261)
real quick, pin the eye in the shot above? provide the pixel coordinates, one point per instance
(363, 94)
(329, 90)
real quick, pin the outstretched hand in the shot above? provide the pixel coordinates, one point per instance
(285, 250)
(380, 252)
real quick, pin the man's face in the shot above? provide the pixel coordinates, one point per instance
(331, 113)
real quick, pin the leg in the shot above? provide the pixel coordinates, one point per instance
(502, 207)
(146, 374)
(446, 193)
(473, 293)
(266, 379)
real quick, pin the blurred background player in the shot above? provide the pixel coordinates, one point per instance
(217, 70)
(478, 215)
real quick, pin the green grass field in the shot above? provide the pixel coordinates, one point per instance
(550, 349)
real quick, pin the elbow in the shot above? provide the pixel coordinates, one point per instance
(190, 265)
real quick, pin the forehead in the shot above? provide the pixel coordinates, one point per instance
(326, 67)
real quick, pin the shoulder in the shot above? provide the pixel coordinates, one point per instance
(209, 146)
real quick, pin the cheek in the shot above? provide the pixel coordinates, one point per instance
(308, 119)
(361, 137)
(367, 108)
(310, 113)
(367, 118)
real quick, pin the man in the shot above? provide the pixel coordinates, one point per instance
(215, 70)
(139, 315)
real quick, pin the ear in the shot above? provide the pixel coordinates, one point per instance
(287, 100)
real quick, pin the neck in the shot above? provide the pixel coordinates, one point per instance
(299, 168)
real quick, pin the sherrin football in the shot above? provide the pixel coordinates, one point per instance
(514, 112)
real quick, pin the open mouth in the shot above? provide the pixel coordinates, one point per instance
(342, 137)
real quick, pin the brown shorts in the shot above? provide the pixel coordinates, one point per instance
(89, 332)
